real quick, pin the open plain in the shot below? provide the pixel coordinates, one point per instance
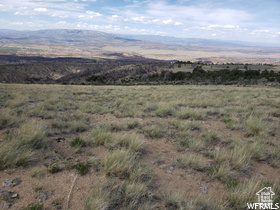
(137, 147)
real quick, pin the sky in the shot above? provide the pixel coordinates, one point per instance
(237, 20)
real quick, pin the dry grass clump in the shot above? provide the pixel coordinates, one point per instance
(126, 195)
(238, 157)
(114, 126)
(7, 118)
(119, 163)
(193, 114)
(254, 126)
(165, 109)
(195, 162)
(99, 136)
(78, 125)
(211, 137)
(16, 100)
(186, 140)
(194, 125)
(243, 193)
(153, 130)
(178, 200)
(222, 171)
(121, 126)
(19, 147)
(129, 141)
(31, 133)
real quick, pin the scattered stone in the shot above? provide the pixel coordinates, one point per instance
(153, 162)
(55, 151)
(203, 187)
(217, 148)
(229, 135)
(163, 166)
(5, 195)
(7, 205)
(169, 172)
(42, 196)
(15, 195)
(11, 182)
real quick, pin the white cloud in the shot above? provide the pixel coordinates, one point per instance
(168, 21)
(231, 26)
(40, 9)
(93, 14)
(178, 24)
(138, 19)
(257, 32)
(117, 18)
(214, 26)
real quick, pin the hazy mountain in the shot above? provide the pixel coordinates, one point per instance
(99, 45)
(190, 42)
(64, 36)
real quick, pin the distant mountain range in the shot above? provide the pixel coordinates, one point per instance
(98, 45)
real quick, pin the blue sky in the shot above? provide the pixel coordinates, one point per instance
(241, 20)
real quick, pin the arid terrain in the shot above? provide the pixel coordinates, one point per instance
(70, 70)
(99, 46)
(137, 147)
(91, 120)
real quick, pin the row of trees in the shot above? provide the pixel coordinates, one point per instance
(217, 75)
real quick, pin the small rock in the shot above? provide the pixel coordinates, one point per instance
(169, 172)
(55, 151)
(15, 195)
(5, 194)
(11, 182)
(204, 188)
(229, 135)
(42, 197)
(7, 205)
(217, 148)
